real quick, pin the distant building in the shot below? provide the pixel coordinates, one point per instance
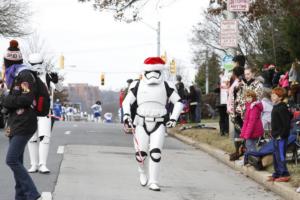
(83, 94)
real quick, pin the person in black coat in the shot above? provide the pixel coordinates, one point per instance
(194, 99)
(280, 123)
(22, 119)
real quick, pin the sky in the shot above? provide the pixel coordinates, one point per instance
(94, 42)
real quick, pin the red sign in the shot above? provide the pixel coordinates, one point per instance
(238, 5)
(229, 33)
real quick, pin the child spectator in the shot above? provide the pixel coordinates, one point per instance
(267, 109)
(252, 128)
(280, 124)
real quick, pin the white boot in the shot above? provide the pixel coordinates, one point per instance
(153, 175)
(43, 153)
(34, 156)
(143, 179)
(154, 187)
(143, 176)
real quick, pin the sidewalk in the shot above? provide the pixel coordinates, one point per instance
(283, 189)
(110, 173)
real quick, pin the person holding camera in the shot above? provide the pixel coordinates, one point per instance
(22, 119)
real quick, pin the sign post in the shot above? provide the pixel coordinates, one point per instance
(238, 5)
(229, 33)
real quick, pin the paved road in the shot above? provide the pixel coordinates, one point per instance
(99, 156)
(80, 133)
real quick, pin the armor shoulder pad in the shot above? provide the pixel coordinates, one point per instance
(134, 87)
(169, 89)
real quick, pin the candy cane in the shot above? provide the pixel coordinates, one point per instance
(53, 116)
(137, 142)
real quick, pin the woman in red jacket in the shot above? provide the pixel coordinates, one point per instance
(252, 127)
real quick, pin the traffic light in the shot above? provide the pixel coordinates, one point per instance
(173, 67)
(164, 57)
(61, 61)
(102, 77)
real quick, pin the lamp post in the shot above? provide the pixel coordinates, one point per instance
(156, 29)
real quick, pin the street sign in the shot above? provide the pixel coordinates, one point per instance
(227, 63)
(238, 5)
(229, 33)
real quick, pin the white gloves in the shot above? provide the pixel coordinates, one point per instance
(171, 123)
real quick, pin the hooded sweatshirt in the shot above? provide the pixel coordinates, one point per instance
(252, 126)
(281, 120)
(22, 118)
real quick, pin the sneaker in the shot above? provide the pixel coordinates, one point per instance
(271, 179)
(239, 163)
(154, 187)
(298, 190)
(283, 179)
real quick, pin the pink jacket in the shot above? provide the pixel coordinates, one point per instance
(252, 126)
(284, 80)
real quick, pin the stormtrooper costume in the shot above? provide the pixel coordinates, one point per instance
(38, 145)
(151, 94)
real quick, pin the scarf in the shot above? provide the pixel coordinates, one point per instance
(12, 72)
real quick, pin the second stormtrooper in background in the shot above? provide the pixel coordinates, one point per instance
(38, 145)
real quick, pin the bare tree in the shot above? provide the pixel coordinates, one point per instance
(13, 18)
(127, 10)
(34, 43)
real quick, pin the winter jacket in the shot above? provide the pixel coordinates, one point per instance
(266, 113)
(276, 78)
(284, 80)
(252, 126)
(268, 77)
(230, 101)
(22, 118)
(180, 90)
(253, 85)
(294, 75)
(281, 120)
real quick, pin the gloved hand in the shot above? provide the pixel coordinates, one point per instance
(171, 123)
(54, 77)
(127, 124)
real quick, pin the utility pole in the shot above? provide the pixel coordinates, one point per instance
(157, 30)
(158, 39)
(206, 73)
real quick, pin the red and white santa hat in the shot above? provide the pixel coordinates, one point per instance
(154, 63)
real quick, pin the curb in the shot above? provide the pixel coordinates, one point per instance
(282, 189)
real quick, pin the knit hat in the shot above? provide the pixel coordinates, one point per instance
(13, 52)
(154, 63)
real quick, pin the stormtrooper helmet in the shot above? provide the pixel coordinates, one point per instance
(153, 70)
(36, 61)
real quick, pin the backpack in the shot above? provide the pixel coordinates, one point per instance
(42, 97)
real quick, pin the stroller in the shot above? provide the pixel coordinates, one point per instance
(184, 116)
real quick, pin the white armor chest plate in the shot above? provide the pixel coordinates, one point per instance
(151, 100)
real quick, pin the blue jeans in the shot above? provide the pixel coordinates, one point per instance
(251, 145)
(25, 188)
(279, 158)
(198, 113)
